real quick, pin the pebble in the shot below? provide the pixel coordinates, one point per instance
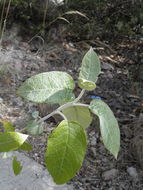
(93, 149)
(93, 141)
(1, 100)
(107, 66)
(132, 172)
(110, 174)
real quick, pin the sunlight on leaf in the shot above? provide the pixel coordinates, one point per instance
(11, 141)
(65, 151)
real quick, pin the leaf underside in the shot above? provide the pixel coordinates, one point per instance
(49, 87)
(65, 151)
(90, 69)
(80, 114)
(108, 125)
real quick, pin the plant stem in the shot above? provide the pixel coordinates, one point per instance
(79, 96)
(78, 104)
(48, 116)
(59, 109)
(69, 104)
(64, 117)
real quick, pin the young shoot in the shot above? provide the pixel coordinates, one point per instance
(67, 144)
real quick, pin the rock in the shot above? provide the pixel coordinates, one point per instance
(93, 149)
(32, 177)
(93, 138)
(132, 172)
(1, 100)
(110, 174)
(93, 141)
(107, 66)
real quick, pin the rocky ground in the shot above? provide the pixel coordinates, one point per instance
(120, 85)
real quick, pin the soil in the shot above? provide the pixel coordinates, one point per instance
(120, 85)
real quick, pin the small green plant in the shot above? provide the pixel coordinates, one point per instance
(66, 146)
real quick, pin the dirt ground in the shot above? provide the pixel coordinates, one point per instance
(120, 85)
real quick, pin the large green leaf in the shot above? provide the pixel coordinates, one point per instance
(80, 114)
(49, 87)
(108, 125)
(11, 141)
(16, 165)
(65, 151)
(90, 69)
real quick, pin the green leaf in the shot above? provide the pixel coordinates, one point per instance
(80, 114)
(65, 151)
(108, 125)
(34, 128)
(8, 127)
(11, 141)
(49, 87)
(16, 165)
(90, 69)
(26, 146)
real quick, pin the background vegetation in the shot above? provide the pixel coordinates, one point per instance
(107, 18)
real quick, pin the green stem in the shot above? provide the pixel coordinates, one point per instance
(64, 117)
(58, 110)
(79, 96)
(69, 104)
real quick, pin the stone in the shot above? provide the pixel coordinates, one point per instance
(132, 172)
(1, 100)
(110, 174)
(32, 177)
(107, 66)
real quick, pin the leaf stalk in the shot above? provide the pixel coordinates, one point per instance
(69, 104)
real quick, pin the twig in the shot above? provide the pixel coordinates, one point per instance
(64, 117)
(80, 95)
(69, 104)
(5, 20)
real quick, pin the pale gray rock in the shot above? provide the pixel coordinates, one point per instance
(1, 100)
(107, 66)
(110, 174)
(132, 172)
(32, 177)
